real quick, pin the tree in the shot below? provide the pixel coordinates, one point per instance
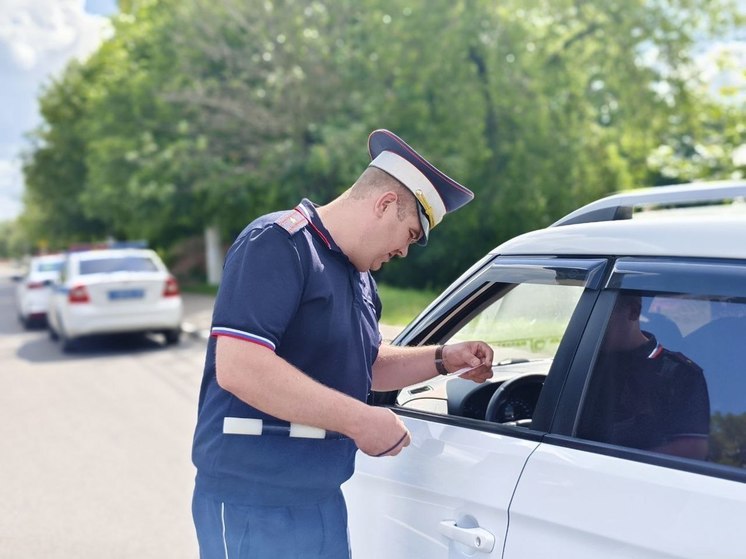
(54, 169)
(203, 115)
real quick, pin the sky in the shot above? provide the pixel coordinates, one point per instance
(39, 37)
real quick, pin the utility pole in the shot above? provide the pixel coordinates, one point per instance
(213, 255)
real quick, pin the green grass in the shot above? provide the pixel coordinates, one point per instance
(200, 288)
(400, 306)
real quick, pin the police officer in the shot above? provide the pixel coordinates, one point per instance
(294, 352)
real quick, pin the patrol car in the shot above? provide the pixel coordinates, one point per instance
(111, 291)
(508, 468)
(34, 288)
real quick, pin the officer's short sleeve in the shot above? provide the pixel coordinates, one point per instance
(261, 288)
(694, 403)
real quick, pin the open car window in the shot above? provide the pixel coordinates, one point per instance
(522, 309)
(525, 324)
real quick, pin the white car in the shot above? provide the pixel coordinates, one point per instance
(574, 450)
(114, 291)
(35, 287)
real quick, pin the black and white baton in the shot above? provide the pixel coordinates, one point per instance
(275, 428)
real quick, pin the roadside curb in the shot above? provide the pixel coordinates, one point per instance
(194, 332)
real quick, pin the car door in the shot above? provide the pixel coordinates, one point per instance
(447, 494)
(581, 495)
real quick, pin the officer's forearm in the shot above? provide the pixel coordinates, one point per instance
(268, 383)
(397, 367)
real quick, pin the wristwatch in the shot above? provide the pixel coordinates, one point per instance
(439, 365)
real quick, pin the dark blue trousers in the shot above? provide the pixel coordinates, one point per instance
(237, 531)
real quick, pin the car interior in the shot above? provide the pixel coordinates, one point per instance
(524, 324)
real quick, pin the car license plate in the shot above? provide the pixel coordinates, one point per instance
(118, 294)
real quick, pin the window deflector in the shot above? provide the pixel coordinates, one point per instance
(579, 272)
(695, 277)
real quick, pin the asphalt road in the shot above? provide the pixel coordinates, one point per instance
(95, 446)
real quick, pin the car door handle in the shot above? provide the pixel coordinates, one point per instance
(475, 538)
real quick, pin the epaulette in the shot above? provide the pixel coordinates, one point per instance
(292, 221)
(681, 358)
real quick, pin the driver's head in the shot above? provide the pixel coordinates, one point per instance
(623, 331)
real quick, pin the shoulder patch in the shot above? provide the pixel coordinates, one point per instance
(292, 221)
(683, 359)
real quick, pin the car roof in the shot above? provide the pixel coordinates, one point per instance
(48, 258)
(111, 253)
(696, 236)
(715, 194)
(706, 219)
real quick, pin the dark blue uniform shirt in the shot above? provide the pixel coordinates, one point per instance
(645, 398)
(286, 286)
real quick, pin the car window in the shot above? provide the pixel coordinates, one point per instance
(526, 323)
(120, 264)
(678, 389)
(47, 266)
(522, 312)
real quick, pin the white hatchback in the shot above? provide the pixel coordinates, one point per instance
(114, 291)
(34, 288)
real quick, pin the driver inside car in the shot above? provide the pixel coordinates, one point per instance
(642, 395)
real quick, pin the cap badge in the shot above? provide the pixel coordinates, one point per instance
(426, 206)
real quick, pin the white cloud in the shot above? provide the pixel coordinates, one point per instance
(37, 39)
(45, 34)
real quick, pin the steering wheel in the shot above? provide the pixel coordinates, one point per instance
(502, 396)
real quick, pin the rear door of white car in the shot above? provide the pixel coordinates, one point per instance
(447, 494)
(580, 497)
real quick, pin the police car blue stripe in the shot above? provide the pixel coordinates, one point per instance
(232, 332)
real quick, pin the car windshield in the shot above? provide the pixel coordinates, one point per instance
(119, 264)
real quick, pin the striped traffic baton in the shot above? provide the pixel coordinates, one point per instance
(275, 428)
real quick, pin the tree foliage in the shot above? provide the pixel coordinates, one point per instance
(202, 113)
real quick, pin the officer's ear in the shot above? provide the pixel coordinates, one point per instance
(386, 201)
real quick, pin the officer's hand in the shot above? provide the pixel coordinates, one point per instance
(382, 434)
(475, 356)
